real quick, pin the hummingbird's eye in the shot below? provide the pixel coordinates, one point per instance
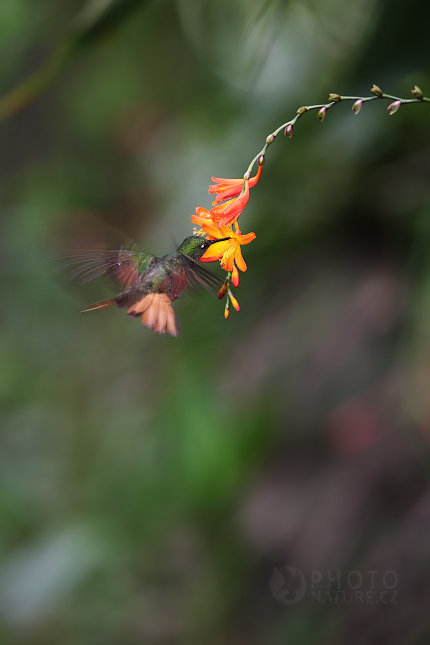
(203, 246)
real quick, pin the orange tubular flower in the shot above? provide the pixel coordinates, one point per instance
(228, 188)
(227, 251)
(227, 213)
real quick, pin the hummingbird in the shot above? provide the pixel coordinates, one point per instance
(149, 285)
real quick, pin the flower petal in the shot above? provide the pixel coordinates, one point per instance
(202, 212)
(226, 192)
(229, 212)
(226, 231)
(246, 239)
(227, 188)
(215, 251)
(221, 180)
(240, 262)
(227, 262)
(254, 180)
(219, 209)
(207, 225)
(235, 276)
(228, 256)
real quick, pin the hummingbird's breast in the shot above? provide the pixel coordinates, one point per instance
(169, 276)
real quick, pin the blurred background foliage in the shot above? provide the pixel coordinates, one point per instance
(150, 485)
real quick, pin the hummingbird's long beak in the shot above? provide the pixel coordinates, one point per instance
(211, 255)
(223, 239)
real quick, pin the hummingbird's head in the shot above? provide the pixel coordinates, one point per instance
(194, 246)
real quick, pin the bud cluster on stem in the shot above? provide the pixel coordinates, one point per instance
(334, 98)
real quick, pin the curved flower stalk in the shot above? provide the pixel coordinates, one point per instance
(232, 195)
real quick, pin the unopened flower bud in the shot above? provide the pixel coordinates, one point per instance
(393, 107)
(302, 110)
(321, 114)
(235, 276)
(357, 106)
(289, 131)
(261, 160)
(221, 292)
(417, 93)
(377, 91)
(247, 175)
(270, 138)
(234, 302)
(226, 311)
(334, 97)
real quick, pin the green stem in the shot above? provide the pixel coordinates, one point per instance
(307, 108)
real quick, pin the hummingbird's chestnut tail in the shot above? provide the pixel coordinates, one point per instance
(99, 305)
(155, 310)
(157, 314)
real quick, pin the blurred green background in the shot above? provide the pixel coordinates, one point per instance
(153, 489)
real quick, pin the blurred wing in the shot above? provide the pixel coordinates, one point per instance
(200, 275)
(121, 266)
(176, 281)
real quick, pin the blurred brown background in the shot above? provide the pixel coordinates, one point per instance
(236, 485)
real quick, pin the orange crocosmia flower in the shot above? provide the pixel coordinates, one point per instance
(202, 212)
(201, 217)
(227, 213)
(228, 188)
(227, 251)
